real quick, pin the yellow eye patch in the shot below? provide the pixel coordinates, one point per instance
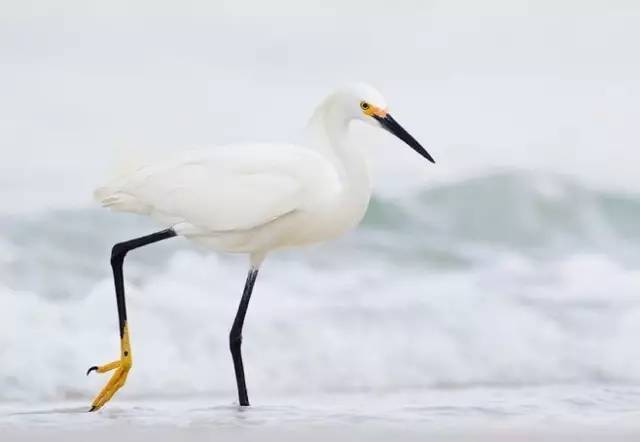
(371, 110)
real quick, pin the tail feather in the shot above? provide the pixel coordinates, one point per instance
(102, 193)
(119, 201)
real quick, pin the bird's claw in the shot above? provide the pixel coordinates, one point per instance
(116, 382)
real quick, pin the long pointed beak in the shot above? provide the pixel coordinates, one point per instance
(394, 127)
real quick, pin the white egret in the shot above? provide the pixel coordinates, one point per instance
(252, 198)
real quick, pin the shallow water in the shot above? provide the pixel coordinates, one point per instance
(531, 413)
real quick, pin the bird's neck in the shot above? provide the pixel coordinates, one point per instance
(328, 134)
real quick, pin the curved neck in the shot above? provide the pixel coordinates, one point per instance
(327, 132)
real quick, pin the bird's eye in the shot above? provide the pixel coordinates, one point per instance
(364, 105)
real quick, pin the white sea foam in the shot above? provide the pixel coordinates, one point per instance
(417, 297)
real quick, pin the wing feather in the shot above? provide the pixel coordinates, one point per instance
(222, 190)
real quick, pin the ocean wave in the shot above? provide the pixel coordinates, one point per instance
(510, 279)
(319, 330)
(514, 209)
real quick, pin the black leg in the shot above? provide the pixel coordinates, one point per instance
(118, 253)
(123, 365)
(235, 337)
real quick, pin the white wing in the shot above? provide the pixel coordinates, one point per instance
(226, 188)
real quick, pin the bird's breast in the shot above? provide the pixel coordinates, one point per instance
(323, 225)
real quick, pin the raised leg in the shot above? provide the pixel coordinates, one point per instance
(123, 365)
(235, 337)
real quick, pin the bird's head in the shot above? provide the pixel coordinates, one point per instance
(365, 103)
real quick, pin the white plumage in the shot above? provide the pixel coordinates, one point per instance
(254, 198)
(251, 198)
(233, 198)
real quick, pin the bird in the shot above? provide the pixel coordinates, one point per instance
(252, 199)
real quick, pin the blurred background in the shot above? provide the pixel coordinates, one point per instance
(514, 261)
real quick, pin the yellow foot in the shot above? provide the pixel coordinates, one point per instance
(116, 382)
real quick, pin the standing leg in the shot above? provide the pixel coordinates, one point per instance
(235, 336)
(123, 365)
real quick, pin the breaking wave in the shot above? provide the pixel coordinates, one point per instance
(507, 279)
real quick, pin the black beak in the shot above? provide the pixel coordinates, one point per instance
(394, 127)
